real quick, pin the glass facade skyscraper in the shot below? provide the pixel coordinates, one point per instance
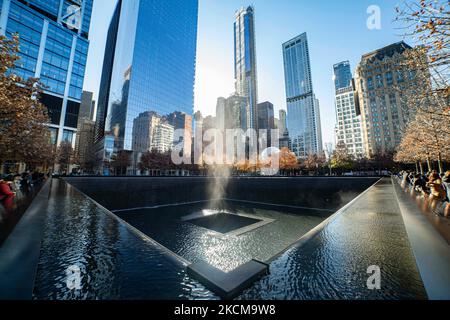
(342, 75)
(266, 116)
(245, 62)
(53, 47)
(149, 66)
(303, 112)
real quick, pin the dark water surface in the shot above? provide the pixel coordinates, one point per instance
(333, 264)
(114, 262)
(226, 252)
(117, 262)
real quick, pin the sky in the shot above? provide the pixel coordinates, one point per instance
(337, 31)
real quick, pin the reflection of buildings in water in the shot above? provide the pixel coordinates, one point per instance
(163, 137)
(118, 115)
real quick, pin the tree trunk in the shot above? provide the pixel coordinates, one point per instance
(441, 170)
(429, 164)
(417, 167)
(421, 167)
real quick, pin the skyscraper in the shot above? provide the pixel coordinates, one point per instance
(231, 113)
(221, 113)
(149, 66)
(303, 115)
(318, 125)
(381, 76)
(342, 75)
(284, 141)
(87, 106)
(85, 131)
(245, 62)
(348, 118)
(53, 47)
(266, 116)
(282, 122)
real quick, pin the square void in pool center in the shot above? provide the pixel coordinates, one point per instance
(224, 222)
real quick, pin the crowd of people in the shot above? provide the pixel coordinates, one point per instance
(15, 187)
(435, 188)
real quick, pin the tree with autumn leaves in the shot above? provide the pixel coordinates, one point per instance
(428, 21)
(427, 135)
(288, 160)
(24, 137)
(424, 141)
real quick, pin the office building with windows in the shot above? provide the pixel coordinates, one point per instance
(245, 62)
(266, 116)
(348, 117)
(282, 123)
(149, 66)
(380, 80)
(342, 75)
(303, 112)
(85, 130)
(231, 113)
(53, 47)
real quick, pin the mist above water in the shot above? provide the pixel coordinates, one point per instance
(220, 177)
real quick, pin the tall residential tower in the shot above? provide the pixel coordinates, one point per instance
(245, 62)
(348, 118)
(303, 114)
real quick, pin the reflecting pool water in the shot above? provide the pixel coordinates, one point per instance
(268, 231)
(334, 264)
(118, 257)
(114, 263)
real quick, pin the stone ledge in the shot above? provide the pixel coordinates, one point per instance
(231, 284)
(19, 254)
(431, 250)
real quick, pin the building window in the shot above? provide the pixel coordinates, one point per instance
(53, 135)
(379, 81)
(389, 79)
(370, 83)
(400, 77)
(67, 136)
